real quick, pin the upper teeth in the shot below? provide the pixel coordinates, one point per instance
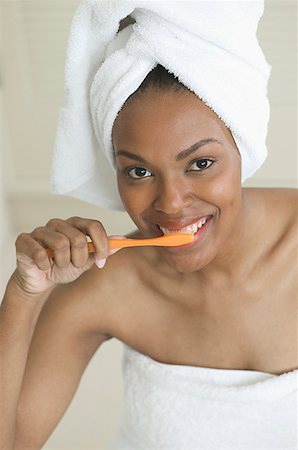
(190, 229)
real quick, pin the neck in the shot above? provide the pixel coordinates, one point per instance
(237, 259)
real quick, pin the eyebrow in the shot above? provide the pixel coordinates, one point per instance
(181, 155)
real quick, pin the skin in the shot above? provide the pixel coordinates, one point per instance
(178, 193)
(228, 301)
(218, 279)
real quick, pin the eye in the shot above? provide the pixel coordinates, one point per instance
(201, 164)
(138, 172)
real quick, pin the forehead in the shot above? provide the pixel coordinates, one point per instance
(157, 117)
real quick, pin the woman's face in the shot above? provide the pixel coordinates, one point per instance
(178, 170)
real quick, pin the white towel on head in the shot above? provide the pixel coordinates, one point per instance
(210, 46)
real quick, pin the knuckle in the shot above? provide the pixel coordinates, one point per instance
(95, 226)
(38, 231)
(21, 237)
(79, 241)
(38, 255)
(53, 222)
(73, 219)
(61, 243)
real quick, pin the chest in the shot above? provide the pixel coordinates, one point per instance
(242, 327)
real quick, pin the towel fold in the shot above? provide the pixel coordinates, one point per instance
(210, 46)
(172, 407)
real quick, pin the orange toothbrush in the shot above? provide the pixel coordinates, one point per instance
(170, 240)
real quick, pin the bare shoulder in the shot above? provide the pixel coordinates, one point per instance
(98, 297)
(279, 203)
(283, 202)
(281, 210)
(282, 198)
(278, 208)
(100, 300)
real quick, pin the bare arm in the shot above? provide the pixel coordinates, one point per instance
(44, 341)
(61, 348)
(18, 316)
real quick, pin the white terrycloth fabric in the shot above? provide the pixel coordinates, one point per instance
(211, 46)
(185, 407)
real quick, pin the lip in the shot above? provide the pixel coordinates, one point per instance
(199, 236)
(176, 226)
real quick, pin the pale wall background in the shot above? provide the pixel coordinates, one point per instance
(33, 40)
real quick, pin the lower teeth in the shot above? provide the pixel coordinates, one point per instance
(200, 227)
(183, 232)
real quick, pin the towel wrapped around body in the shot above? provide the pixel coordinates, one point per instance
(172, 407)
(210, 46)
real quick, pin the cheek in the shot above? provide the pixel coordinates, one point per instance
(134, 198)
(226, 190)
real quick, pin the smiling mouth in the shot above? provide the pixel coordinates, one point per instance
(190, 229)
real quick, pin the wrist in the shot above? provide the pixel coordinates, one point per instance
(18, 294)
(19, 313)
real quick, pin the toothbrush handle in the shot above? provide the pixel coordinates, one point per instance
(162, 241)
(122, 243)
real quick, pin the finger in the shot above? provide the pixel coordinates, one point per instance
(59, 243)
(28, 248)
(95, 230)
(77, 240)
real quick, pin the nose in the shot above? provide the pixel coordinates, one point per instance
(172, 197)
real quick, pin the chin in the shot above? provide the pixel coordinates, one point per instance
(187, 263)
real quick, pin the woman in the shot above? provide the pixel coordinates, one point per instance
(223, 306)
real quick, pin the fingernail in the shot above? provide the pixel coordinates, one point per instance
(100, 262)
